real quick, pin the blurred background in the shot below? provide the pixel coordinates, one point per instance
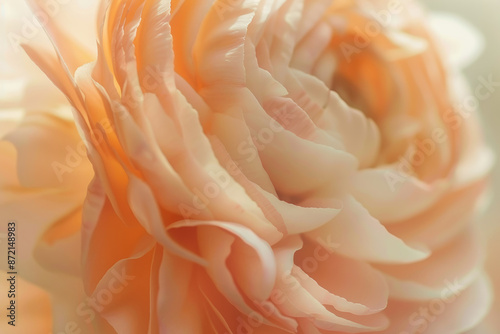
(485, 16)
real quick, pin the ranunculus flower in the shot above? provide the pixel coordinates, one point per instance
(265, 167)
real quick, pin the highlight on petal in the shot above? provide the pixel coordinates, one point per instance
(462, 43)
(356, 234)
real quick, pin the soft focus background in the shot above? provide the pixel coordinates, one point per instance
(485, 16)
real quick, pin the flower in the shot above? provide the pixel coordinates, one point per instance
(43, 183)
(275, 167)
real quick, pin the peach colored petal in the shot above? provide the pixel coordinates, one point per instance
(338, 119)
(459, 260)
(456, 314)
(391, 195)
(351, 285)
(293, 299)
(356, 234)
(233, 132)
(73, 52)
(443, 221)
(54, 143)
(179, 310)
(126, 286)
(234, 238)
(294, 216)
